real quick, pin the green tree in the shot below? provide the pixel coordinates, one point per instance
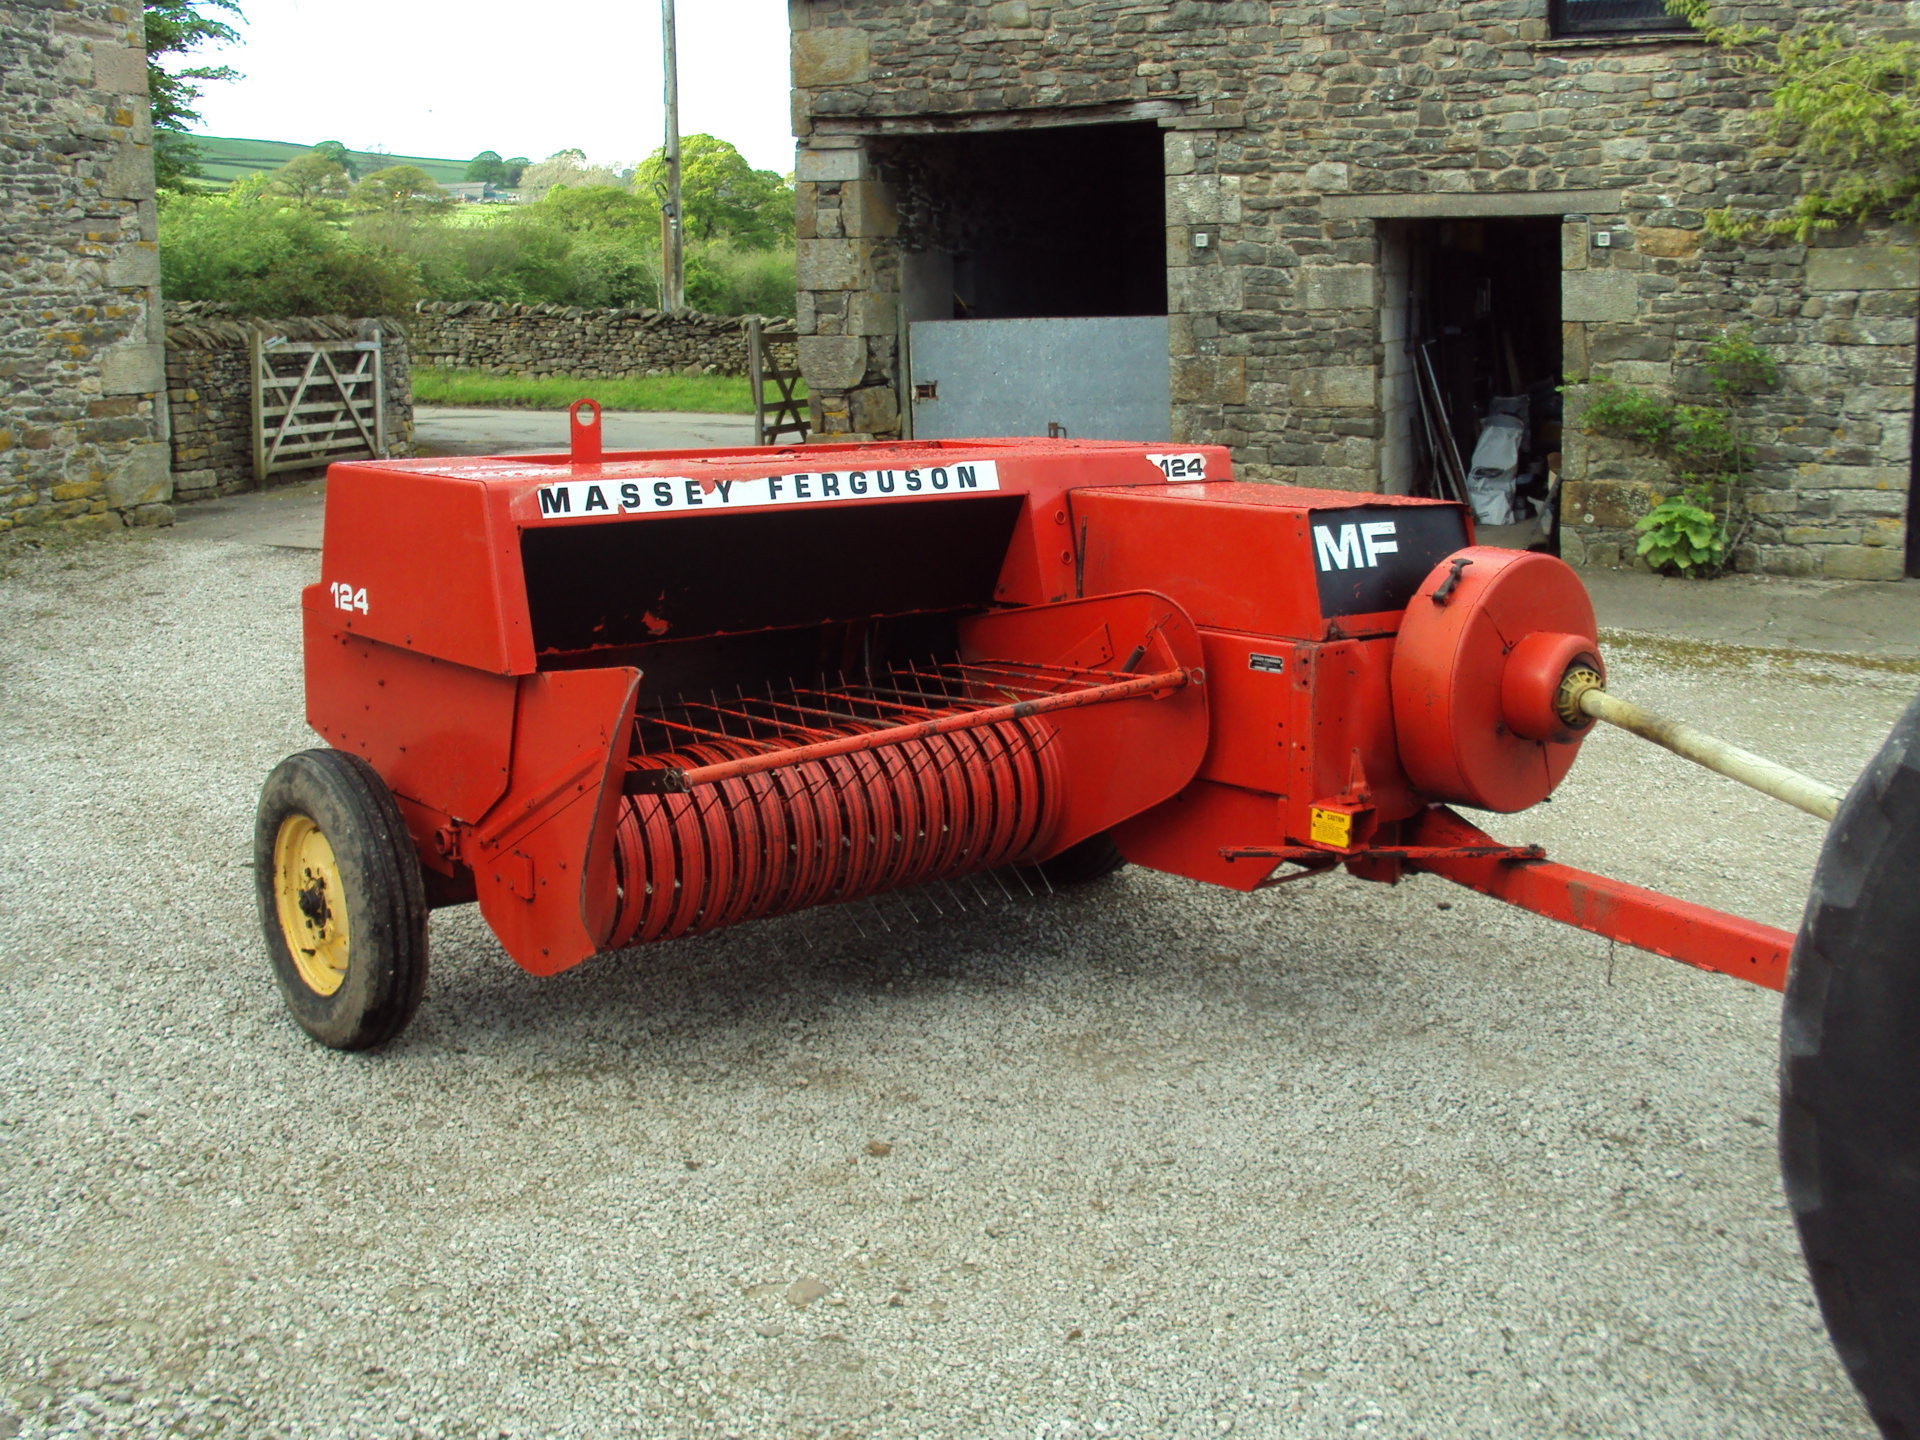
(722, 196)
(1845, 106)
(313, 181)
(588, 208)
(178, 27)
(397, 188)
(516, 167)
(565, 167)
(340, 156)
(487, 168)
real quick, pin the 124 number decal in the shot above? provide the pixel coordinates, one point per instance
(345, 597)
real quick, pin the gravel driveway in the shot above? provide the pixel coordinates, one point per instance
(1142, 1160)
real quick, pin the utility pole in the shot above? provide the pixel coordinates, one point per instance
(673, 282)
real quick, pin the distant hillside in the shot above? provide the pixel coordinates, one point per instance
(223, 161)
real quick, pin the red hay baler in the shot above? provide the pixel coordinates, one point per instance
(626, 698)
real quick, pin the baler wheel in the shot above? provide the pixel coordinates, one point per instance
(1092, 859)
(342, 901)
(1850, 1082)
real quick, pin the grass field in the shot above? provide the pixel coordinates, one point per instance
(710, 394)
(224, 160)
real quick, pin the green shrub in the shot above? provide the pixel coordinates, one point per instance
(723, 279)
(263, 259)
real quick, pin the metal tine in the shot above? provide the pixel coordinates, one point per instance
(995, 875)
(1019, 873)
(982, 896)
(877, 913)
(959, 901)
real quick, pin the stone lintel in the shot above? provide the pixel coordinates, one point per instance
(979, 122)
(1483, 205)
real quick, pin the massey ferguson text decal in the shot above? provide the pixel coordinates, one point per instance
(584, 499)
(1373, 558)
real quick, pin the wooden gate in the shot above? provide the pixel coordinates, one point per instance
(315, 401)
(780, 412)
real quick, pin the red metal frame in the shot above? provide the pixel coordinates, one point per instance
(1677, 929)
(1228, 678)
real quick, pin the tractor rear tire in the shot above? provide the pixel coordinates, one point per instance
(342, 901)
(1092, 859)
(1850, 1082)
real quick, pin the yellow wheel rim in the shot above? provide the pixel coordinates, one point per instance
(312, 900)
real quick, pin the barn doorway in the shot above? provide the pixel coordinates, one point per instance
(1033, 280)
(1471, 364)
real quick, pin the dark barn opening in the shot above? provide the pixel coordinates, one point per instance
(1033, 279)
(1018, 224)
(1471, 344)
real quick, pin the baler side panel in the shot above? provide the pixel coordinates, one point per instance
(1228, 562)
(413, 559)
(1186, 834)
(1344, 735)
(1045, 561)
(440, 734)
(542, 858)
(1250, 694)
(1268, 559)
(1117, 758)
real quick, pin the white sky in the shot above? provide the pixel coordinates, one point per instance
(523, 79)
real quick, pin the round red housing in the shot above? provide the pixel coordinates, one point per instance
(1481, 652)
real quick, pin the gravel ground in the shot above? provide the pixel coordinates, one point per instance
(1147, 1159)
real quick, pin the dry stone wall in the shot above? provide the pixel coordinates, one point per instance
(82, 422)
(590, 344)
(210, 391)
(1296, 133)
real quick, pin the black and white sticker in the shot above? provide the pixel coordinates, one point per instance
(1372, 558)
(1267, 664)
(585, 499)
(1192, 466)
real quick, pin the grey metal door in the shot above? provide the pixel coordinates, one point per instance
(1105, 378)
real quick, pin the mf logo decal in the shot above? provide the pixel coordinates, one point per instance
(1354, 547)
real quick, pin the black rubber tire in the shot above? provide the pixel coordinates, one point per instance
(385, 897)
(1850, 1082)
(1092, 859)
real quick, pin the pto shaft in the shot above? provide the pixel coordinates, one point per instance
(1767, 776)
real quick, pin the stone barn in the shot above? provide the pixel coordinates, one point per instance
(83, 419)
(1338, 238)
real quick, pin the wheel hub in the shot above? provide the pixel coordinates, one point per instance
(308, 891)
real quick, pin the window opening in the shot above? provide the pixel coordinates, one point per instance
(1612, 17)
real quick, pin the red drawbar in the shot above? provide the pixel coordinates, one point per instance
(1677, 929)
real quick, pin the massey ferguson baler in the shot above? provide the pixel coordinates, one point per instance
(621, 699)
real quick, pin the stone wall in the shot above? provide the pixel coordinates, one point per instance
(210, 391)
(589, 344)
(82, 429)
(1294, 135)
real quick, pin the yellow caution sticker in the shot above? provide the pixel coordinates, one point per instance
(1331, 827)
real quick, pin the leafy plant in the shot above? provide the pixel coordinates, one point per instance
(1696, 530)
(1678, 535)
(1845, 105)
